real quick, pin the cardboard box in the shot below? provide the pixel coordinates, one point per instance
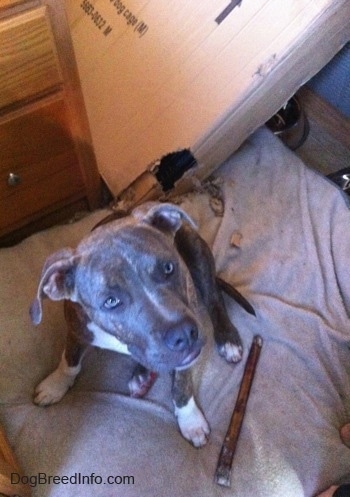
(160, 76)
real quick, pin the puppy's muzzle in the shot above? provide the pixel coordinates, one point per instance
(182, 337)
(185, 341)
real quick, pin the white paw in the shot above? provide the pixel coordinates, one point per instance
(231, 352)
(54, 387)
(192, 423)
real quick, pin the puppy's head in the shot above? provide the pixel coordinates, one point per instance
(132, 284)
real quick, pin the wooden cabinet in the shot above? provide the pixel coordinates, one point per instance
(47, 164)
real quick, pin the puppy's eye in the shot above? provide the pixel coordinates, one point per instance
(168, 268)
(111, 303)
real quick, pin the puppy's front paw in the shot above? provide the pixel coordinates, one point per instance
(192, 423)
(53, 388)
(231, 352)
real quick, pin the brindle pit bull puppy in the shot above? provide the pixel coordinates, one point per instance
(132, 286)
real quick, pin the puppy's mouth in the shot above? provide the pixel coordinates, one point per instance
(189, 360)
(162, 361)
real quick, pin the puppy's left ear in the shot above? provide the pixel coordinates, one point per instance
(56, 281)
(166, 217)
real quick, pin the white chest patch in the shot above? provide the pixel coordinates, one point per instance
(106, 341)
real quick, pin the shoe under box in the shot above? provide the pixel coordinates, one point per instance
(160, 76)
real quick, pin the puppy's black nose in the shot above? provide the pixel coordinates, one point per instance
(182, 336)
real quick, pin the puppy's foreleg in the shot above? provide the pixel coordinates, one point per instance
(191, 421)
(200, 262)
(55, 386)
(226, 335)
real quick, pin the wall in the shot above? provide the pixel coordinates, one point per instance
(333, 81)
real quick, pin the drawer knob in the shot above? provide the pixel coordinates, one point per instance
(13, 179)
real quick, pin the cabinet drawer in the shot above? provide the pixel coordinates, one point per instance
(28, 60)
(39, 167)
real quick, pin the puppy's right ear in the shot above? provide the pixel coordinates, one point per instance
(166, 217)
(56, 282)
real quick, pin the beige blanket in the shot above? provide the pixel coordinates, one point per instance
(284, 242)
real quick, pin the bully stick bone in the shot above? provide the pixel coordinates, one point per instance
(8, 466)
(223, 469)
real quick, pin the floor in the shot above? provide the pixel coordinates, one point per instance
(327, 147)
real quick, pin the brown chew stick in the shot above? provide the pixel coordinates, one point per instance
(8, 465)
(223, 469)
